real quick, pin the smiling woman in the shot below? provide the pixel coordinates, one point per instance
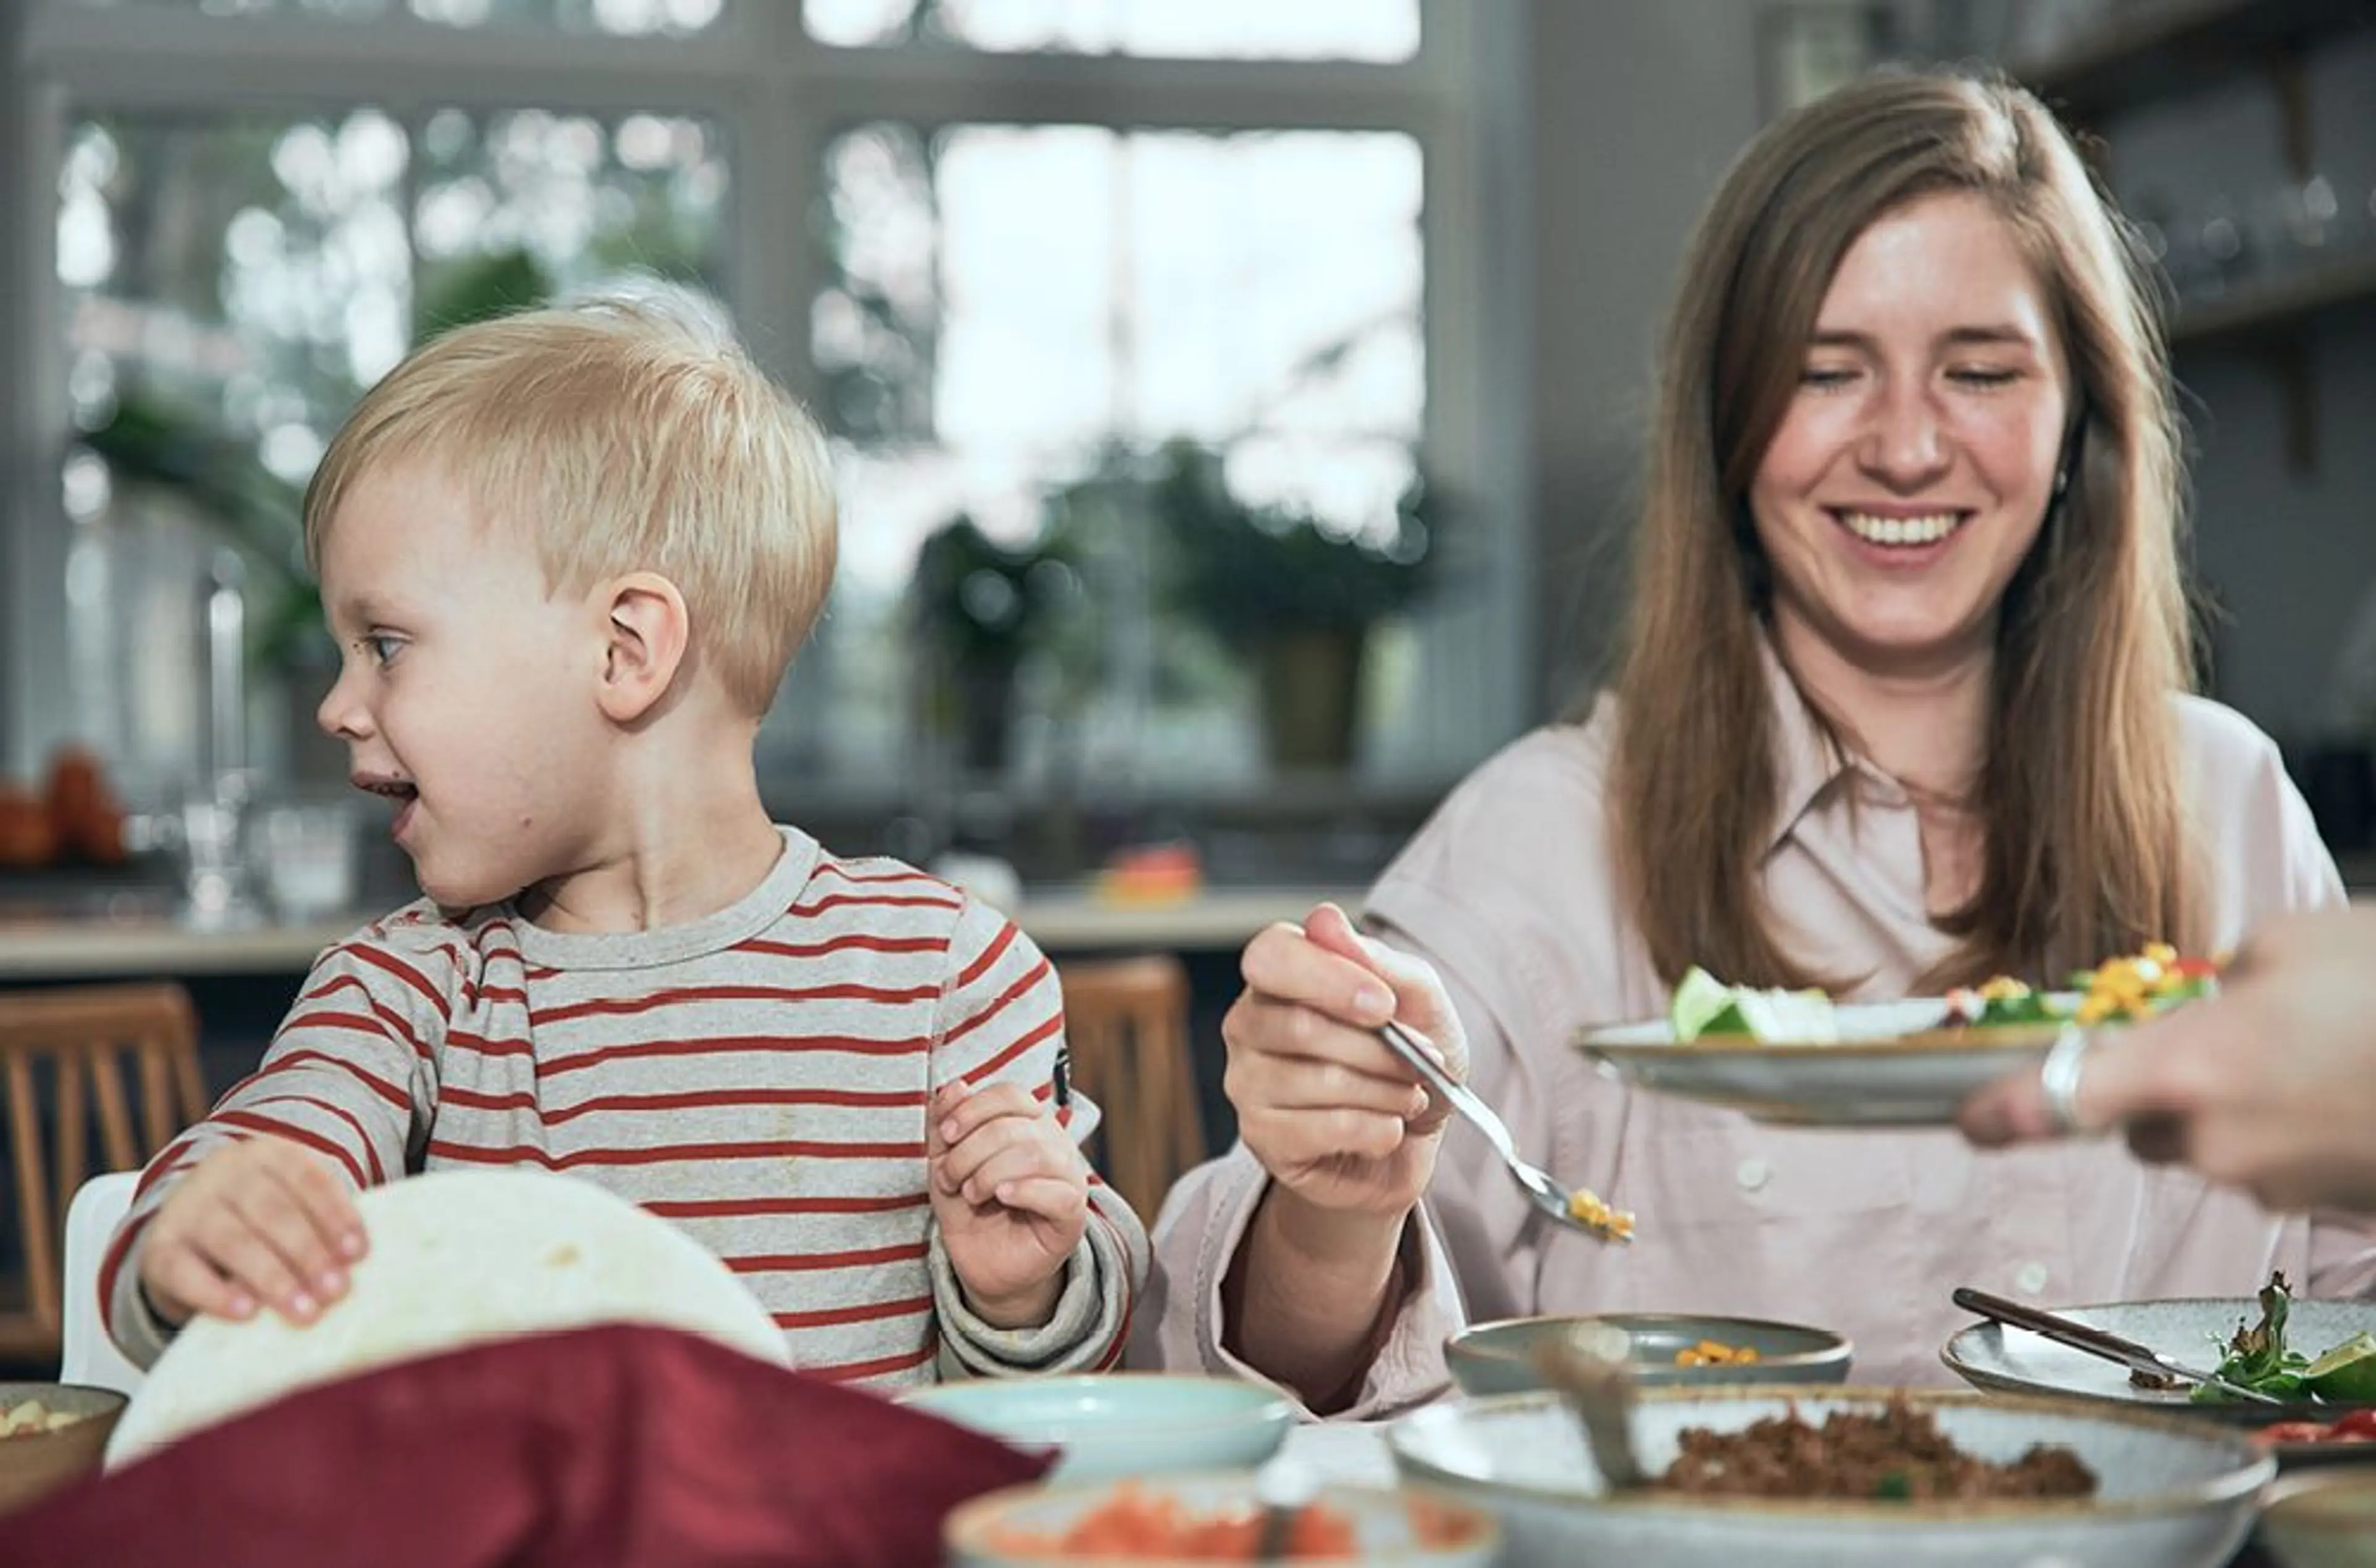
(1904, 706)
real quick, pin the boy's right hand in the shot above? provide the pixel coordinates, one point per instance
(264, 1220)
(1333, 1115)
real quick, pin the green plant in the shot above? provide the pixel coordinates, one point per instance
(1250, 573)
(979, 601)
(981, 611)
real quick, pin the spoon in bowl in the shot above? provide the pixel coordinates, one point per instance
(1284, 1488)
(1595, 1376)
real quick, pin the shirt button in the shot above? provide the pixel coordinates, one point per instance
(2030, 1279)
(1752, 1174)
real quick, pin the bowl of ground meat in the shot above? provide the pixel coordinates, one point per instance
(1846, 1478)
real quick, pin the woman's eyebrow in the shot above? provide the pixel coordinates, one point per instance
(1980, 335)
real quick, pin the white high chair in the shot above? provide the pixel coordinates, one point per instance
(87, 1355)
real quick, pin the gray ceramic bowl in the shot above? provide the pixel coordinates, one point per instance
(1410, 1527)
(1498, 1358)
(1120, 1423)
(2174, 1493)
(2324, 1518)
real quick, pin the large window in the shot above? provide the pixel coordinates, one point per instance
(231, 282)
(1007, 306)
(1006, 249)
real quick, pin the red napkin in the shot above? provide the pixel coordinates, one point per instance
(610, 1447)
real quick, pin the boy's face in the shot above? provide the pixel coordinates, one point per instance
(465, 692)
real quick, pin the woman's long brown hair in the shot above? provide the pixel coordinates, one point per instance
(2087, 849)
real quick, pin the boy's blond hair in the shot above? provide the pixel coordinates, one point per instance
(619, 433)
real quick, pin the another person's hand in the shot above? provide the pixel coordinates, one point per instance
(1011, 1191)
(2270, 1085)
(1331, 1113)
(263, 1220)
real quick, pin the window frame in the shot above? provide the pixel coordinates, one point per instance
(769, 86)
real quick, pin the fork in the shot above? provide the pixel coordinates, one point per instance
(1540, 1186)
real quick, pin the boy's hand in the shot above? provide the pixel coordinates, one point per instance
(261, 1220)
(1011, 1191)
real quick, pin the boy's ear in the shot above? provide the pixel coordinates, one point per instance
(647, 631)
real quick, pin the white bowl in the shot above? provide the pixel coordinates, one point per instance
(2322, 1518)
(1120, 1423)
(2172, 1493)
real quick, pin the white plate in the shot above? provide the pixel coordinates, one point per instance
(1896, 1063)
(1992, 1356)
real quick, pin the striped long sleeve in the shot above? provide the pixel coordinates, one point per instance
(759, 1077)
(1002, 1021)
(351, 1074)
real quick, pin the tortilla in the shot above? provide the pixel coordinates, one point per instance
(455, 1257)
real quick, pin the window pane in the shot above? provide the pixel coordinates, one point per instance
(232, 283)
(1376, 30)
(616, 18)
(582, 197)
(1009, 307)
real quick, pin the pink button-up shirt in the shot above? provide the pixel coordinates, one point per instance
(1508, 890)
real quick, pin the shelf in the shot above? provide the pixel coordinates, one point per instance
(1067, 918)
(2262, 310)
(2172, 47)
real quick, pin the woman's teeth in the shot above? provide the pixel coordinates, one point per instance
(1900, 531)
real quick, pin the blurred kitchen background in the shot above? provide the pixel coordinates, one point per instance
(1235, 402)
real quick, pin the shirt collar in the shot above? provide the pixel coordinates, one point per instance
(1807, 762)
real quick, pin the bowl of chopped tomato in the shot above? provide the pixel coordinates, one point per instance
(2349, 1438)
(1214, 1518)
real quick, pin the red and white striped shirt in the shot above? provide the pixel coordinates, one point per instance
(758, 1076)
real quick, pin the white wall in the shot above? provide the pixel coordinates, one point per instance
(2292, 554)
(15, 456)
(1637, 110)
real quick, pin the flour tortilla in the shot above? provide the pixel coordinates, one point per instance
(454, 1256)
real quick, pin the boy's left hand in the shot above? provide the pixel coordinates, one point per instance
(1011, 1191)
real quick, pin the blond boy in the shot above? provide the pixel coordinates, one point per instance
(567, 556)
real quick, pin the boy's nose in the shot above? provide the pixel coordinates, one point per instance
(340, 715)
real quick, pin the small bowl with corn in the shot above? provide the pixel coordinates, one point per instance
(1665, 1348)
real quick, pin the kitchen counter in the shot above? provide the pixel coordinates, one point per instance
(1061, 920)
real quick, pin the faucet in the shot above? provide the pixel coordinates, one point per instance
(214, 822)
(226, 667)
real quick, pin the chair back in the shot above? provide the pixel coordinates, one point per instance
(119, 1060)
(1126, 1022)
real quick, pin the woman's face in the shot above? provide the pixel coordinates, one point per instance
(1914, 468)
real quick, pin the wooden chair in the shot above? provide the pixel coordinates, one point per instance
(65, 1053)
(1126, 1022)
